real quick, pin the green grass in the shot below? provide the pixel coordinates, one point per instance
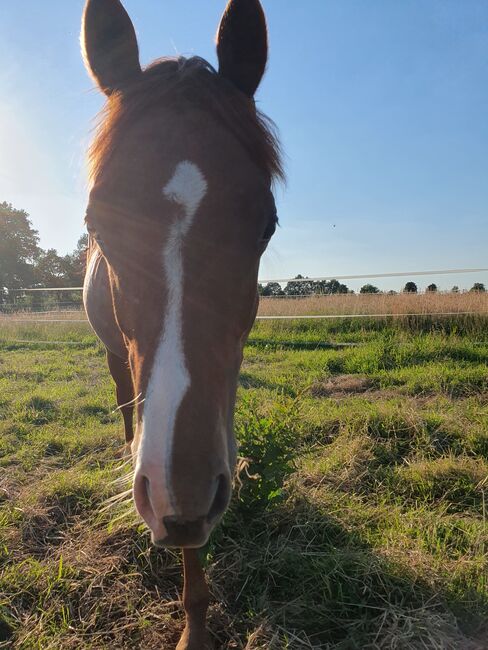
(359, 520)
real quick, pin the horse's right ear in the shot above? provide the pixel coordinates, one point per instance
(109, 45)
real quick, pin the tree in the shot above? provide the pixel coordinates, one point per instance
(410, 287)
(330, 286)
(432, 288)
(23, 264)
(272, 289)
(479, 287)
(455, 289)
(48, 269)
(19, 248)
(305, 288)
(369, 288)
(74, 264)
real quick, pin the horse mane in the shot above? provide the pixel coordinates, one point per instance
(180, 81)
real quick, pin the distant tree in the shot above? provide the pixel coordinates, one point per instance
(329, 287)
(392, 292)
(74, 264)
(19, 248)
(369, 288)
(410, 287)
(48, 269)
(303, 288)
(338, 287)
(455, 289)
(432, 288)
(272, 289)
(479, 287)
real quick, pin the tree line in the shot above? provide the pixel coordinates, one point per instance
(24, 264)
(307, 287)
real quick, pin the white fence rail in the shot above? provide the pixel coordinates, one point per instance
(325, 278)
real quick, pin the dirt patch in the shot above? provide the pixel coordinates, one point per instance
(46, 525)
(42, 530)
(342, 385)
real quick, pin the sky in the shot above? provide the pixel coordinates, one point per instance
(382, 108)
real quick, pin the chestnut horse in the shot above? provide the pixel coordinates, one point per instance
(180, 212)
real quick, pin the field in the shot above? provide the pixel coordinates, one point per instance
(359, 515)
(382, 303)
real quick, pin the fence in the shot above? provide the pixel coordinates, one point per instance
(64, 304)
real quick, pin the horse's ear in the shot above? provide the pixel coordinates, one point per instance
(242, 44)
(109, 45)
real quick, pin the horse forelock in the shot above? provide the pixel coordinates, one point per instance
(177, 82)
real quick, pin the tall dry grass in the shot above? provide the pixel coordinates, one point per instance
(335, 304)
(369, 304)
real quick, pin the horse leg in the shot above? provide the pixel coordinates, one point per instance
(195, 601)
(120, 371)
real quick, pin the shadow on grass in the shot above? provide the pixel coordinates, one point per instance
(301, 574)
(281, 561)
(276, 344)
(248, 380)
(38, 411)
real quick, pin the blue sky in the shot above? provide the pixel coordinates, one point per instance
(382, 108)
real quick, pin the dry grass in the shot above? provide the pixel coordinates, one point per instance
(354, 303)
(334, 304)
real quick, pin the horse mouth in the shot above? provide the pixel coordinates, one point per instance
(186, 534)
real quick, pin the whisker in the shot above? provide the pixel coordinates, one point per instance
(125, 513)
(132, 402)
(123, 464)
(122, 480)
(118, 497)
(122, 515)
(128, 471)
(125, 498)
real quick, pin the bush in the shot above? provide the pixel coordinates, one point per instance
(410, 287)
(271, 289)
(369, 288)
(479, 287)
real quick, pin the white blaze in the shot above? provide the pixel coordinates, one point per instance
(170, 379)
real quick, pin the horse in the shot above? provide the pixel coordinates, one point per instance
(180, 211)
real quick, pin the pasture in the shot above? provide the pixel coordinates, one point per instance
(359, 513)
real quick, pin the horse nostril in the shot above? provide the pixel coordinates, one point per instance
(145, 485)
(221, 498)
(141, 491)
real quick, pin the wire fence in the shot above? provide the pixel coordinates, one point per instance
(279, 317)
(373, 276)
(64, 306)
(324, 278)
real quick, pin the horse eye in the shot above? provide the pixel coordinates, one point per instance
(270, 229)
(94, 234)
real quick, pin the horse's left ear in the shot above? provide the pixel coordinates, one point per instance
(242, 44)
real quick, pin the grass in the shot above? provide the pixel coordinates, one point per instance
(358, 522)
